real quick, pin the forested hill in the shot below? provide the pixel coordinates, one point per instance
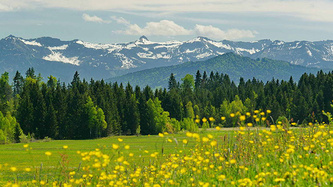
(234, 65)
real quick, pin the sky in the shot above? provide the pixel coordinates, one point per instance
(114, 21)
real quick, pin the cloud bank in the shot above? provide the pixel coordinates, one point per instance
(216, 33)
(161, 28)
(170, 28)
(96, 19)
(319, 10)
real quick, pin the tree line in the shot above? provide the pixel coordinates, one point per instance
(91, 109)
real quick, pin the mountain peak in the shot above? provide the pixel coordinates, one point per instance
(143, 39)
(202, 38)
(10, 37)
(199, 39)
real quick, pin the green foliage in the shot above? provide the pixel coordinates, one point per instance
(188, 124)
(159, 117)
(83, 110)
(188, 82)
(96, 119)
(189, 110)
(5, 93)
(9, 129)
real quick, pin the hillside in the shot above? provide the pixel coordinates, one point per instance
(234, 65)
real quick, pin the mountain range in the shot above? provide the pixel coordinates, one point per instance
(52, 56)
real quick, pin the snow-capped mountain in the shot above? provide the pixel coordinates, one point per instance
(61, 58)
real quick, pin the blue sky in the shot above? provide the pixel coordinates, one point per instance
(111, 21)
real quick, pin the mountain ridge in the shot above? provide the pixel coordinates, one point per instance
(235, 66)
(102, 61)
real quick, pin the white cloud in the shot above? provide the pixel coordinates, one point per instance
(216, 33)
(161, 28)
(170, 28)
(319, 10)
(97, 19)
(120, 20)
(5, 8)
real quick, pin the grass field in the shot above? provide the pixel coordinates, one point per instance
(270, 157)
(34, 157)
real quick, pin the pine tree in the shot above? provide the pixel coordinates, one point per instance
(5, 93)
(30, 73)
(18, 83)
(198, 80)
(172, 82)
(51, 123)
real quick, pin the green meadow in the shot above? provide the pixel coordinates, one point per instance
(244, 156)
(34, 156)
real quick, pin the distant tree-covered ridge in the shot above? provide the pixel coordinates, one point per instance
(235, 66)
(84, 110)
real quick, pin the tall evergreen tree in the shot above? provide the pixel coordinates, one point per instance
(18, 83)
(198, 80)
(172, 82)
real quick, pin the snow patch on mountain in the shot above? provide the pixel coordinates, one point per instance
(94, 46)
(31, 43)
(203, 55)
(151, 55)
(127, 63)
(296, 46)
(308, 52)
(197, 39)
(251, 51)
(192, 51)
(62, 47)
(219, 44)
(59, 57)
(168, 45)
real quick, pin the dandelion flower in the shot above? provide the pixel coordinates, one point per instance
(189, 134)
(233, 161)
(13, 169)
(115, 146)
(48, 153)
(242, 118)
(213, 143)
(205, 139)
